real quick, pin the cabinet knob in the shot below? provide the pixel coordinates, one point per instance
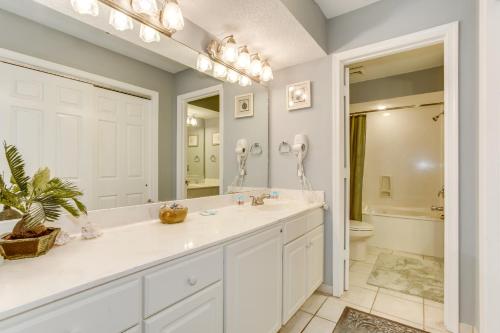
(192, 280)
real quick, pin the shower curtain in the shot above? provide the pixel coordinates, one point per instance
(357, 160)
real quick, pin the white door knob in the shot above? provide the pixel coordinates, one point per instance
(192, 280)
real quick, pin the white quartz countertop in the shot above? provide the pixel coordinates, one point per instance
(120, 251)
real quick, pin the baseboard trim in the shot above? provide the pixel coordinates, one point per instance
(325, 289)
(466, 328)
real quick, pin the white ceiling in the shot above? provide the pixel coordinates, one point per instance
(266, 26)
(332, 8)
(399, 63)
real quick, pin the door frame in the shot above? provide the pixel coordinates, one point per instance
(447, 34)
(488, 239)
(182, 101)
(53, 68)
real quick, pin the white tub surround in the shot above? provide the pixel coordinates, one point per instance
(405, 229)
(164, 257)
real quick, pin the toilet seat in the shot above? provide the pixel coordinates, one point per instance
(360, 226)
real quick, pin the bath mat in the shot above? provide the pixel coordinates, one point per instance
(412, 276)
(355, 321)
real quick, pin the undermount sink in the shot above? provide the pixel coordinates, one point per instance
(270, 205)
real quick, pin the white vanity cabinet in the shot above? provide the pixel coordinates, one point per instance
(253, 283)
(302, 261)
(201, 312)
(112, 308)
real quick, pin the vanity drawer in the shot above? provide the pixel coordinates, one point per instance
(299, 226)
(112, 308)
(180, 279)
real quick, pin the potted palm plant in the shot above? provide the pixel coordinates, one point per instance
(38, 199)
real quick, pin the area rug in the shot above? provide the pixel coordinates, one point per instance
(408, 275)
(355, 321)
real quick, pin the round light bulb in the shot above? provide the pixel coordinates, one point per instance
(85, 7)
(233, 76)
(256, 67)
(120, 21)
(267, 73)
(171, 17)
(148, 7)
(149, 34)
(220, 71)
(230, 50)
(203, 63)
(245, 81)
(243, 61)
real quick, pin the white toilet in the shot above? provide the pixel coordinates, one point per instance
(359, 234)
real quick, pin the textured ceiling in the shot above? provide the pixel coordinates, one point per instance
(332, 8)
(399, 63)
(266, 26)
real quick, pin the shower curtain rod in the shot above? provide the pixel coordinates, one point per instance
(397, 108)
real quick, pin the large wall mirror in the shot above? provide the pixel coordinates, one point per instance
(127, 123)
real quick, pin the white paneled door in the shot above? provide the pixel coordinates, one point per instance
(122, 150)
(96, 138)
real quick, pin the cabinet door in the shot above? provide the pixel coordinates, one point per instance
(201, 312)
(295, 276)
(253, 284)
(315, 255)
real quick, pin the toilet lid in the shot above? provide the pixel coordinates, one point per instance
(360, 226)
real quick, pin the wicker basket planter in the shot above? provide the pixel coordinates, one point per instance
(28, 247)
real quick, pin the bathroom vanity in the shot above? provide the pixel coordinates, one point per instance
(246, 269)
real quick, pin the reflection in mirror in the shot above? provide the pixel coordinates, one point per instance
(98, 107)
(203, 143)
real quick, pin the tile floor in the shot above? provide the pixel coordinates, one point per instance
(320, 312)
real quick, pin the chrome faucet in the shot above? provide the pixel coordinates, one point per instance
(259, 200)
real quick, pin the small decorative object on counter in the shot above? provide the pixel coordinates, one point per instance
(172, 212)
(90, 231)
(63, 238)
(239, 199)
(274, 195)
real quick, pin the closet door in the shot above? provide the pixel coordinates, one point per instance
(122, 151)
(49, 119)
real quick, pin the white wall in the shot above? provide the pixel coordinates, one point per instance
(407, 146)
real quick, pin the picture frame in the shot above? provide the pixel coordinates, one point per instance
(215, 139)
(193, 141)
(298, 95)
(243, 106)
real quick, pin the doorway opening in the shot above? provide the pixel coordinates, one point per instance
(202, 168)
(395, 231)
(199, 146)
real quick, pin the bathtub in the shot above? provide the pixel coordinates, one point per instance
(415, 230)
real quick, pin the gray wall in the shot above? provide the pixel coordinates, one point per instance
(420, 82)
(33, 39)
(254, 129)
(311, 18)
(315, 122)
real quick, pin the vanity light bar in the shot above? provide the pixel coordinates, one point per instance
(238, 60)
(150, 21)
